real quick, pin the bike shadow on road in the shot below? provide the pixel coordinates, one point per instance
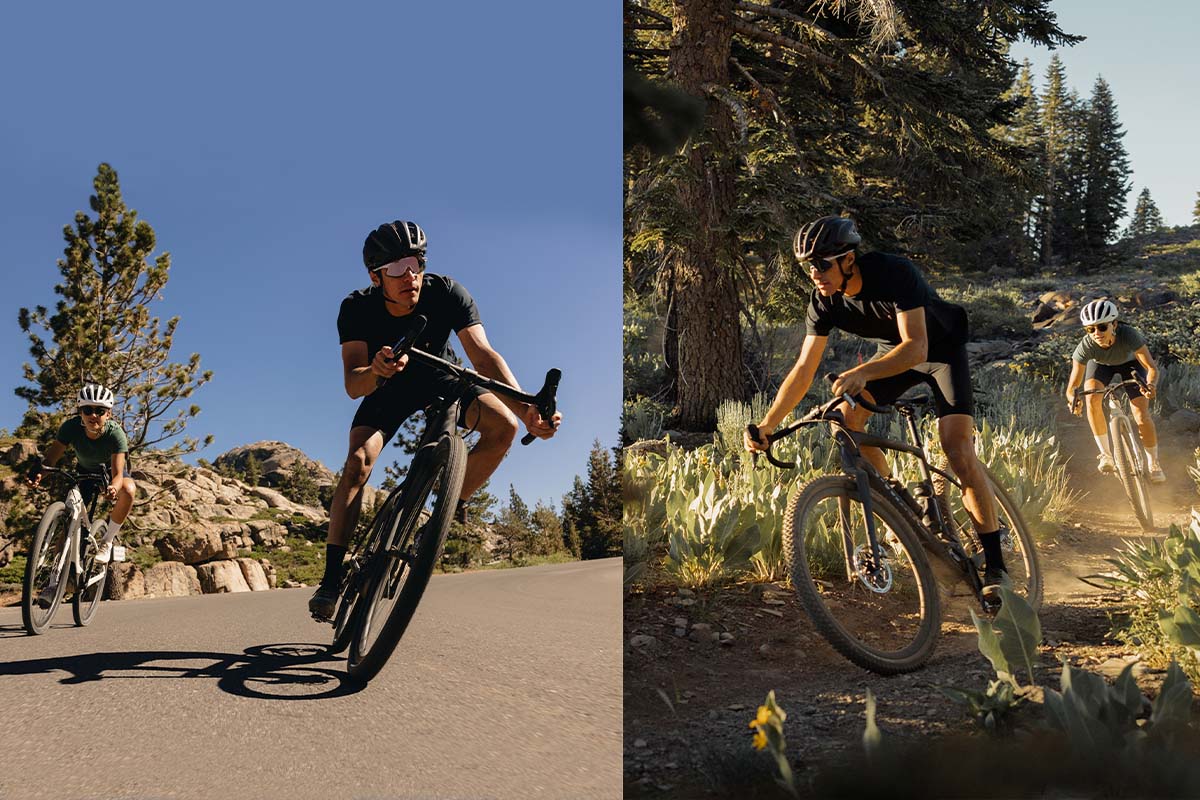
(284, 671)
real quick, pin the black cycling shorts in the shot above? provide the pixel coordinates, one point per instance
(949, 381)
(407, 392)
(1104, 373)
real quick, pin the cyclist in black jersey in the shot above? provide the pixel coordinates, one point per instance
(1112, 348)
(921, 339)
(369, 322)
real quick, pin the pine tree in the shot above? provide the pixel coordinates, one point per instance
(601, 533)
(101, 330)
(300, 485)
(571, 539)
(1196, 210)
(547, 530)
(1055, 105)
(513, 526)
(1106, 167)
(1146, 217)
(466, 545)
(252, 473)
(1026, 133)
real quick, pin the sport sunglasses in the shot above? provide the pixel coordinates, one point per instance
(398, 269)
(93, 411)
(1098, 328)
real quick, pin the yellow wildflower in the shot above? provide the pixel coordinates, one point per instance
(760, 739)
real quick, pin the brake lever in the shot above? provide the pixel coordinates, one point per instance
(545, 401)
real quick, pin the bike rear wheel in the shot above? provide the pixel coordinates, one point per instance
(89, 589)
(885, 616)
(354, 578)
(1016, 539)
(1127, 456)
(401, 571)
(47, 568)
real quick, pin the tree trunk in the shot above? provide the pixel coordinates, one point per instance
(708, 335)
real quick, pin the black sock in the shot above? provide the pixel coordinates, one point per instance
(334, 553)
(992, 554)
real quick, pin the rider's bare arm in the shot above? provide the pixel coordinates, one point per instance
(912, 350)
(118, 473)
(796, 384)
(1073, 381)
(53, 453)
(1150, 365)
(361, 375)
(489, 363)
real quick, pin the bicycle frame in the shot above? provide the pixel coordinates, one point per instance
(854, 464)
(81, 514)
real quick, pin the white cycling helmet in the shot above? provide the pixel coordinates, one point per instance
(1098, 311)
(93, 394)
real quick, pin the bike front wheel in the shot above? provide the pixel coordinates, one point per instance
(47, 568)
(880, 610)
(399, 574)
(1127, 457)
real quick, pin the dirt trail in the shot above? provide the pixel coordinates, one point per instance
(688, 703)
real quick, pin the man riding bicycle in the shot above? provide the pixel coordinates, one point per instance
(1109, 349)
(921, 339)
(369, 322)
(97, 439)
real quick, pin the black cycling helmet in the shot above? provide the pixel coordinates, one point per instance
(825, 238)
(393, 241)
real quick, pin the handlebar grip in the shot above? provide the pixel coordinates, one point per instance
(858, 398)
(545, 400)
(754, 432)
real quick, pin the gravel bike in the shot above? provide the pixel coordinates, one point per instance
(859, 546)
(390, 561)
(1128, 455)
(62, 554)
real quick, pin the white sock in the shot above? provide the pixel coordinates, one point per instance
(1153, 453)
(1102, 443)
(111, 529)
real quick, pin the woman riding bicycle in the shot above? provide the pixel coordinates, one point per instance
(97, 439)
(1110, 348)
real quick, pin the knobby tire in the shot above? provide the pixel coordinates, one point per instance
(828, 598)
(1129, 469)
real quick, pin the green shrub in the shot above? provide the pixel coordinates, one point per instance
(1159, 580)
(994, 312)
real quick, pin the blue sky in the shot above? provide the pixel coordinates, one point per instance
(1147, 54)
(262, 146)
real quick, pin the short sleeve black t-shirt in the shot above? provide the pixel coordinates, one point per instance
(891, 284)
(444, 303)
(93, 452)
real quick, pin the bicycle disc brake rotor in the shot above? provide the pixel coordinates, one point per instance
(876, 577)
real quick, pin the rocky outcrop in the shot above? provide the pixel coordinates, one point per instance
(218, 577)
(200, 521)
(171, 579)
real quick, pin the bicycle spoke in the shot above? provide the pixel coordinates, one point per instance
(878, 606)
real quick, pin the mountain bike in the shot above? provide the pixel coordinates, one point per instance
(1128, 454)
(390, 562)
(63, 554)
(859, 546)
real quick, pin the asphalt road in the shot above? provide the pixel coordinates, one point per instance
(506, 684)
